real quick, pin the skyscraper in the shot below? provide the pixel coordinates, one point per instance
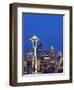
(52, 60)
(39, 55)
(39, 50)
(30, 62)
(60, 62)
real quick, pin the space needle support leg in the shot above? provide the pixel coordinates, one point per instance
(35, 58)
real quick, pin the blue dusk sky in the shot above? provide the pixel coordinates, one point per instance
(48, 28)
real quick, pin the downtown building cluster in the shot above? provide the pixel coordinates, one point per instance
(47, 61)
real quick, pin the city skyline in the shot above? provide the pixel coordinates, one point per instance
(48, 51)
(43, 62)
(43, 39)
(42, 52)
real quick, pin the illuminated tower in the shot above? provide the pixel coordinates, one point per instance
(60, 62)
(34, 41)
(52, 60)
(39, 55)
(52, 55)
(59, 55)
(39, 50)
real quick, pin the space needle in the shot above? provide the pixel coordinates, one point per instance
(34, 41)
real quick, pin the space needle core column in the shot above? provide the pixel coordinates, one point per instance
(34, 41)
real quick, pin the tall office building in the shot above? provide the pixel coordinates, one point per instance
(39, 55)
(60, 62)
(30, 62)
(52, 54)
(59, 55)
(39, 50)
(52, 60)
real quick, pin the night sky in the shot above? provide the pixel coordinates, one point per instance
(48, 28)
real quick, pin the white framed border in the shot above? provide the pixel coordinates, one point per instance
(46, 77)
